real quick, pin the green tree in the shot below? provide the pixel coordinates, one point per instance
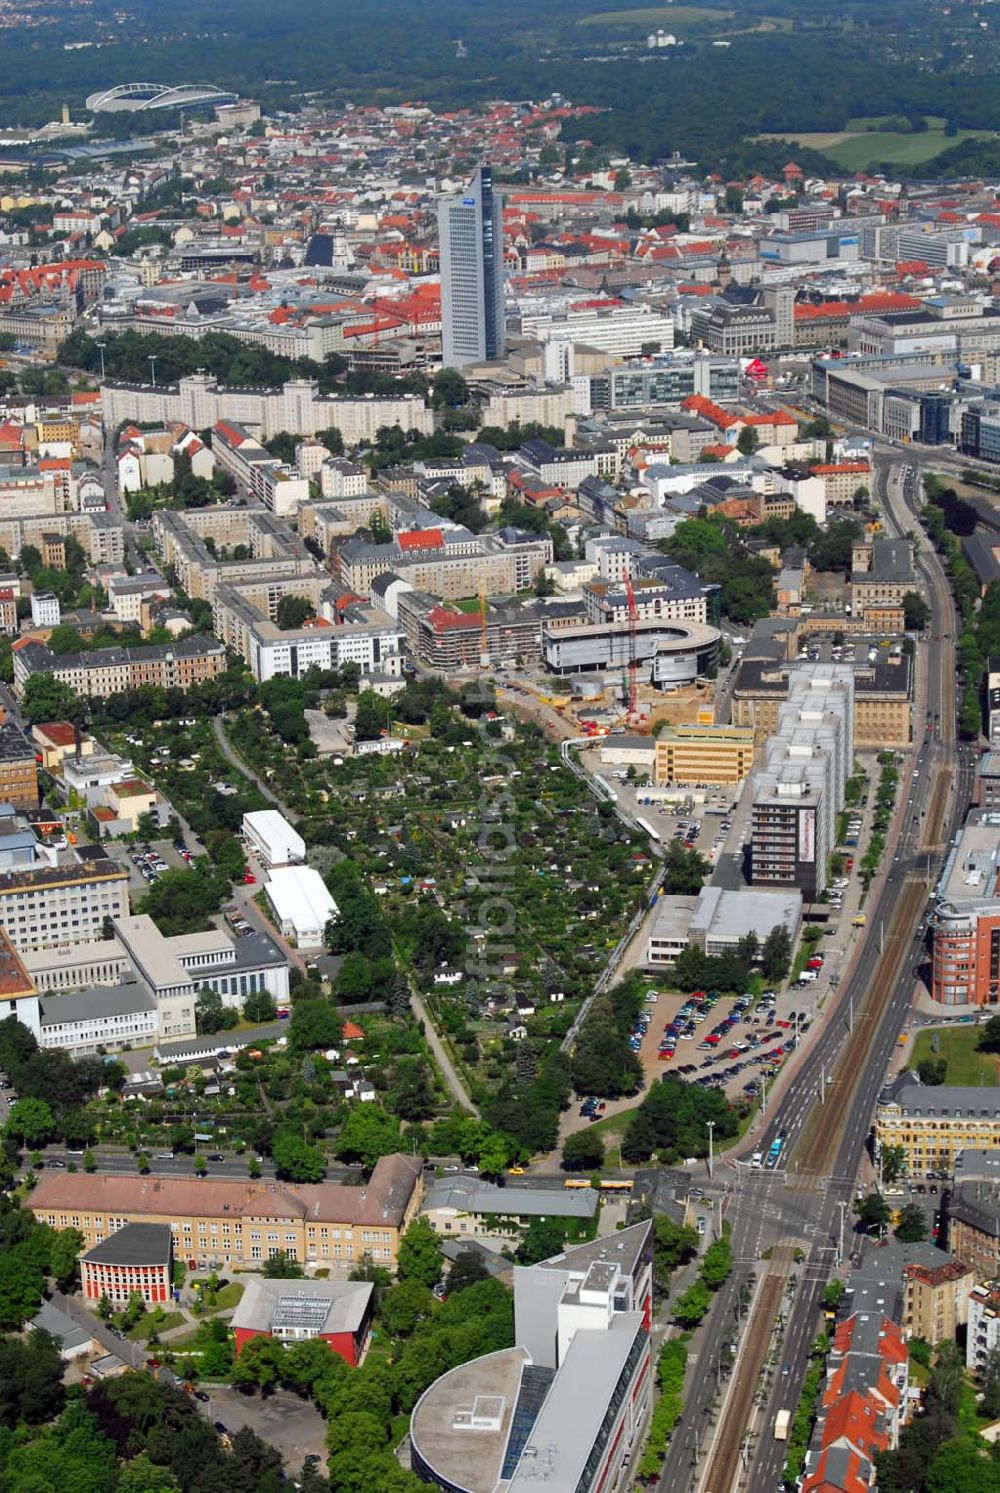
(747, 440)
(776, 954)
(259, 1365)
(916, 612)
(716, 1263)
(31, 1387)
(259, 1006)
(933, 1071)
(543, 1238)
(583, 1151)
(494, 1154)
(208, 1011)
(689, 1309)
(893, 1163)
(419, 1258)
(989, 1036)
(295, 1159)
(64, 1253)
(143, 1476)
(912, 1226)
(673, 1244)
(449, 388)
(292, 612)
(369, 1132)
(31, 1121)
(406, 1306)
(280, 1266)
(315, 1023)
(873, 1212)
(21, 1286)
(989, 1379)
(47, 698)
(685, 870)
(962, 1466)
(467, 1270)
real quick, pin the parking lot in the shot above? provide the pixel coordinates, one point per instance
(291, 1424)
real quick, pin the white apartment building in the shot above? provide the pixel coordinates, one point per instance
(298, 407)
(45, 609)
(984, 1325)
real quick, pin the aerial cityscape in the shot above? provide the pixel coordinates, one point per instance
(499, 747)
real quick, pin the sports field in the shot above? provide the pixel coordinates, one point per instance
(858, 145)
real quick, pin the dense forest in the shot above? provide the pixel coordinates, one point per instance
(756, 66)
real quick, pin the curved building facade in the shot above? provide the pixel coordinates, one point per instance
(567, 1404)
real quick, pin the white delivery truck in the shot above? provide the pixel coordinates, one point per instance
(782, 1421)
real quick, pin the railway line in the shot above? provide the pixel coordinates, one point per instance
(725, 1459)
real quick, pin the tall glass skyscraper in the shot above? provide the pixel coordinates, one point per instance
(470, 230)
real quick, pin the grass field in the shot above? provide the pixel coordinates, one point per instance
(957, 1045)
(861, 144)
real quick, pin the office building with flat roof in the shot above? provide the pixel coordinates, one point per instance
(470, 230)
(568, 1403)
(965, 924)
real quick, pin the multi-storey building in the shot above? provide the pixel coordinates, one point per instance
(618, 328)
(881, 572)
(298, 407)
(664, 383)
(137, 1259)
(470, 231)
(581, 1332)
(934, 1123)
(965, 925)
(882, 699)
(448, 562)
(240, 1223)
(47, 907)
(446, 638)
(354, 634)
(800, 789)
(984, 1325)
(109, 671)
(674, 596)
(18, 770)
(276, 557)
(703, 754)
(974, 1223)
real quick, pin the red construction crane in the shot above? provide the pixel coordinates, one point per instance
(633, 617)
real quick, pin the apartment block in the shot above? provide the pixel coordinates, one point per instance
(298, 407)
(109, 671)
(18, 770)
(275, 555)
(800, 789)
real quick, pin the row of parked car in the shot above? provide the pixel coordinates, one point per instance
(149, 864)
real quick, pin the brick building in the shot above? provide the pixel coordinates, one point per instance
(136, 1259)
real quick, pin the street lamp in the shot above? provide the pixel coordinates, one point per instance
(152, 370)
(710, 1124)
(100, 347)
